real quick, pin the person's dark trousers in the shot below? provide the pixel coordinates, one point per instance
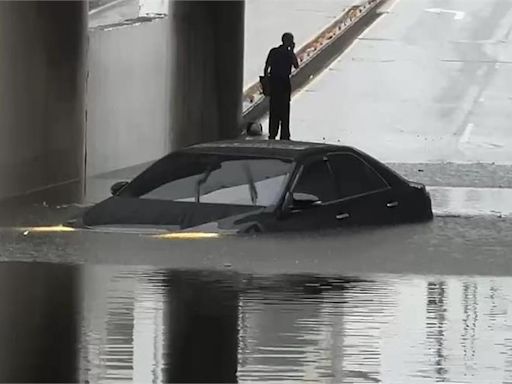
(280, 93)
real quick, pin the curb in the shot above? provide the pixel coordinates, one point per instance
(316, 55)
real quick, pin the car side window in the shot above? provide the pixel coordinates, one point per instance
(354, 176)
(316, 179)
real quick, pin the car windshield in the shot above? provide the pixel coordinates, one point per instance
(208, 178)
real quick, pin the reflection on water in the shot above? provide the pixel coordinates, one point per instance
(39, 322)
(65, 323)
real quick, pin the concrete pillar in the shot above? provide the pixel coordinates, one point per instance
(207, 70)
(42, 89)
(201, 343)
(39, 322)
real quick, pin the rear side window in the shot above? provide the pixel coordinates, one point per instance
(316, 179)
(354, 176)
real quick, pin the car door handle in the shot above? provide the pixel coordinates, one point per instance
(392, 204)
(342, 216)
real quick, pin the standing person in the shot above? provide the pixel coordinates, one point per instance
(278, 68)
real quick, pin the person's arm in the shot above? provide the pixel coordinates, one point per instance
(266, 71)
(295, 62)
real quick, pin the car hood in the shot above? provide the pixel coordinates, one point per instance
(123, 212)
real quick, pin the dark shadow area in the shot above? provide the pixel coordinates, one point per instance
(39, 322)
(202, 339)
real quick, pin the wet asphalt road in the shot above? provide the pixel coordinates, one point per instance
(407, 304)
(422, 85)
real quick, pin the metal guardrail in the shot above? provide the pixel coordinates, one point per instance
(315, 54)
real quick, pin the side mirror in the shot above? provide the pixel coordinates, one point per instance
(304, 201)
(117, 187)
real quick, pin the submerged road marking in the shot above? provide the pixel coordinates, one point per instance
(457, 15)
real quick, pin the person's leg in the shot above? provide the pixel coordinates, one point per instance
(279, 112)
(285, 113)
(285, 120)
(273, 121)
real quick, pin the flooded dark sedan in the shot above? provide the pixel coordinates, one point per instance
(244, 186)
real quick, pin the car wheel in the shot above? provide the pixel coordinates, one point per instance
(253, 229)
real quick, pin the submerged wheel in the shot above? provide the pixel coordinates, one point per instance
(253, 229)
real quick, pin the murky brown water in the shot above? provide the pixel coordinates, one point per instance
(105, 323)
(407, 304)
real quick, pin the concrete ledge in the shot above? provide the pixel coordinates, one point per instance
(128, 22)
(317, 54)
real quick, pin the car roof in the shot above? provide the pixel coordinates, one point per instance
(293, 150)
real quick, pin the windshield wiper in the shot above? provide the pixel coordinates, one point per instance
(252, 187)
(201, 181)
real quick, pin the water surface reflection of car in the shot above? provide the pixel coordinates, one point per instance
(244, 186)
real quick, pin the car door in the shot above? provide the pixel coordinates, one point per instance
(315, 178)
(366, 198)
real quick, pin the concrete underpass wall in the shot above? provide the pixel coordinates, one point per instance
(42, 79)
(127, 95)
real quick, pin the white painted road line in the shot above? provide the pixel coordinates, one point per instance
(457, 15)
(464, 139)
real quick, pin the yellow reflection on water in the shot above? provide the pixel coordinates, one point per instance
(188, 235)
(53, 228)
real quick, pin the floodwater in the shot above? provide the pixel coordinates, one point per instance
(405, 304)
(415, 303)
(106, 323)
